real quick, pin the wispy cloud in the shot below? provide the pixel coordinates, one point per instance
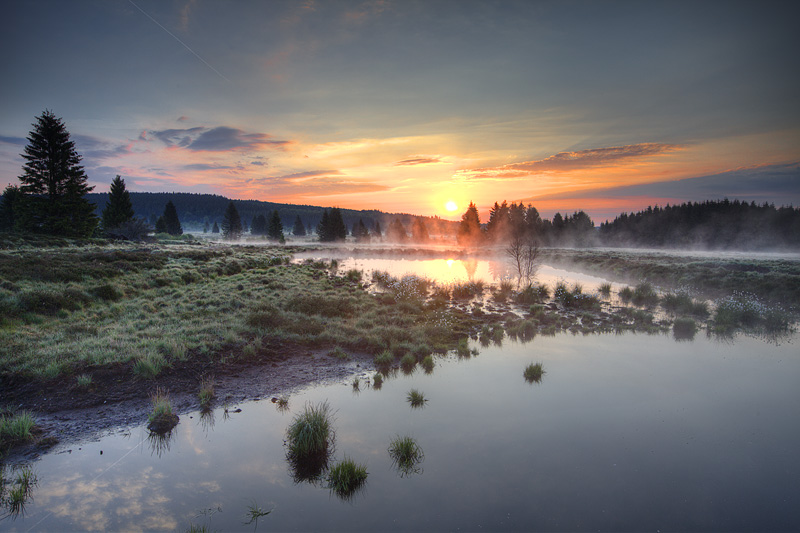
(19, 141)
(418, 161)
(219, 139)
(571, 161)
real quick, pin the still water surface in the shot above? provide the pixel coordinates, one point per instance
(625, 432)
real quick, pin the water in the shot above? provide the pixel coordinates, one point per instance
(626, 432)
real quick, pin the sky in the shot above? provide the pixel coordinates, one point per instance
(407, 106)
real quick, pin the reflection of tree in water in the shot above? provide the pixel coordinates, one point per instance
(159, 442)
(471, 266)
(500, 270)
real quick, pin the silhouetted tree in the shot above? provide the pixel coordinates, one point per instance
(8, 203)
(259, 225)
(419, 232)
(118, 208)
(331, 227)
(360, 231)
(376, 232)
(161, 225)
(275, 229)
(171, 221)
(215, 227)
(53, 183)
(231, 223)
(396, 232)
(469, 231)
(299, 229)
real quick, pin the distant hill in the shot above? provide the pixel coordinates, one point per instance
(194, 210)
(719, 224)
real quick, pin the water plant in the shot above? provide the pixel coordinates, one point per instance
(161, 418)
(427, 363)
(605, 289)
(625, 294)
(532, 294)
(254, 512)
(408, 362)
(377, 380)
(533, 373)
(346, 478)
(19, 490)
(406, 455)
(416, 398)
(385, 358)
(356, 383)
(282, 403)
(644, 295)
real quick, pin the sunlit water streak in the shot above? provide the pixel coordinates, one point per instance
(623, 432)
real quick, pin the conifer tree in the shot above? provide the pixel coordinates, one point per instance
(119, 208)
(259, 225)
(231, 223)
(171, 221)
(161, 225)
(324, 227)
(275, 229)
(8, 203)
(215, 227)
(53, 183)
(360, 231)
(376, 232)
(396, 232)
(299, 229)
(419, 232)
(469, 230)
(338, 228)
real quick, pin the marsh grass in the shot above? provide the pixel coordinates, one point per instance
(748, 312)
(625, 294)
(15, 428)
(605, 289)
(206, 394)
(161, 418)
(83, 381)
(15, 494)
(408, 362)
(644, 295)
(282, 403)
(684, 328)
(680, 303)
(416, 398)
(533, 373)
(377, 380)
(346, 478)
(406, 455)
(428, 364)
(356, 384)
(310, 434)
(338, 353)
(384, 359)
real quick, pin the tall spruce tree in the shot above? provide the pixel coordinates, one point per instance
(231, 223)
(299, 229)
(275, 229)
(171, 221)
(53, 183)
(324, 227)
(119, 208)
(469, 230)
(338, 228)
(259, 225)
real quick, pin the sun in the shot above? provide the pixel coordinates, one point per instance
(451, 206)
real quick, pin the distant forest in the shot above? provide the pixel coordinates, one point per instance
(197, 210)
(713, 224)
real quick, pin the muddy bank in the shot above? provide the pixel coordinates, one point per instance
(67, 414)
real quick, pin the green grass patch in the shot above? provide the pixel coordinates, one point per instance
(406, 455)
(15, 428)
(684, 328)
(311, 432)
(416, 398)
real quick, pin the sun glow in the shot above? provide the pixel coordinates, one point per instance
(451, 206)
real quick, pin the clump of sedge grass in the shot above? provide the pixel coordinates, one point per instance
(384, 358)
(19, 490)
(406, 455)
(356, 383)
(15, 428)
(254, 512)
(533, 373)
(408, 362)
(161, 418)
(206, 394)
(346, 478)
(310, 432)
(84, 381)
(338, 353)
(282, 403)
(377, 380)
(427, 363)
(684, 328)
(605, 289)
(416, 398)
(644, 295)
(625, 294)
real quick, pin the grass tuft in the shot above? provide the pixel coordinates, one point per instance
(161, 418)
(206, 394)
(406, 455)
(533, 373)
(311, 432)
(416, 398)
(346, 478)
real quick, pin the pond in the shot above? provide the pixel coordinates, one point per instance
(623, 432)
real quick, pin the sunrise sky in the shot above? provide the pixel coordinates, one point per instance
(405, 106)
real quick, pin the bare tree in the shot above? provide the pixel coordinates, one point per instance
(523, 252)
